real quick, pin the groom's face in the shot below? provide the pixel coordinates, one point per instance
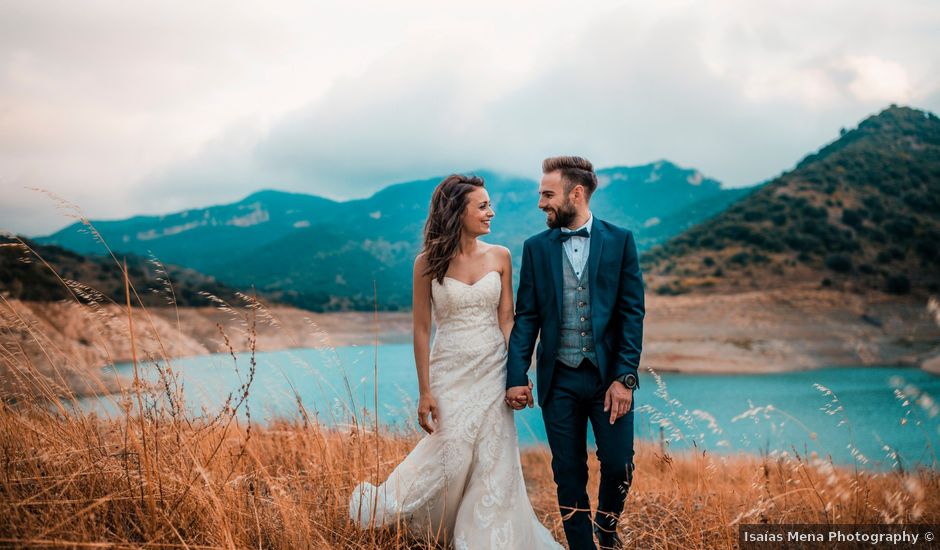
(553, 200)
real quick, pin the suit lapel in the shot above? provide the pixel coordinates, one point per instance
(554, 257)
(598, 233)
(597, 248)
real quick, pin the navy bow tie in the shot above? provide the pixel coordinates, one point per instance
(583, 232)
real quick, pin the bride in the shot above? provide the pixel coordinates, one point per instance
(463, 482)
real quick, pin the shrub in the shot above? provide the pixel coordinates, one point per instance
(814, 212)
(759, 258)
(839, 263)
(922, 202)
(851, 218)
(741, 258)
(753, 216)
(670, 290)
(772, 243)
(735, 232)
(873, 202)
(897, 284)
(900, 228)
(809, 227)
(928, 247)
(875, 235)
(802, 242)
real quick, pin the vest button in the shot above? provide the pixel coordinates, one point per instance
(583, 319)
(580, 288)
(583, 334)
(584, 349)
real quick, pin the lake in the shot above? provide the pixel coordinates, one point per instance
(876, 417)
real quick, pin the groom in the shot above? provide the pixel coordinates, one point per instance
(581, 293)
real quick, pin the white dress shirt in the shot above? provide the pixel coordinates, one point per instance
(578, 248)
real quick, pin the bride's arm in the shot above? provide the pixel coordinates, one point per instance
(505, 309)
(421, 315)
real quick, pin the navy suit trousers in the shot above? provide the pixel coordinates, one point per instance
(576, 396)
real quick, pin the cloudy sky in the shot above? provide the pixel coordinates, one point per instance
(155, 106)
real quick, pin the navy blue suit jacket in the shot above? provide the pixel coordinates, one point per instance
(617, 306)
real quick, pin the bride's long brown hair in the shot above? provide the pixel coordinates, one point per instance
(445, 221)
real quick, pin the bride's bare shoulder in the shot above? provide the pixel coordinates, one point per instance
(496, 250)
(499, 256)
(421, 262)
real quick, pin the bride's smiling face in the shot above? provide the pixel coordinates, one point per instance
(479, 212)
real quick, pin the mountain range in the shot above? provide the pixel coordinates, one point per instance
(861, 214)
(321, 254)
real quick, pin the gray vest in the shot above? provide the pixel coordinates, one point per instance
(577, 337)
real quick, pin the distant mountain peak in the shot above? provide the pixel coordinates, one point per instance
(663, 175)
(265, 193)
(895, 127)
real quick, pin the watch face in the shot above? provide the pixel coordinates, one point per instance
(630, 381)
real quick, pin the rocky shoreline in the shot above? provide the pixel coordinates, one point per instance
(750, 332)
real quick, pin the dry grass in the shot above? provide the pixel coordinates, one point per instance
(73, 480)
(157, 476)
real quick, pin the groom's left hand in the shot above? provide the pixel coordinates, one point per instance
(617, 400)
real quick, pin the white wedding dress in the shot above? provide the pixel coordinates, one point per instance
(463, 483)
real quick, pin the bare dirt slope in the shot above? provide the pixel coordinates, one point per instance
(791, 329)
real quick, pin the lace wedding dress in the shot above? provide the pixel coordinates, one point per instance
(463, 483)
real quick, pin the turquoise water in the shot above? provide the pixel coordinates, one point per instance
(874, 416)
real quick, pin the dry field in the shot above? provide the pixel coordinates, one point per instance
(164, 481)
(159, 476)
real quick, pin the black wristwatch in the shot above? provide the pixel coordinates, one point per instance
(628, 380)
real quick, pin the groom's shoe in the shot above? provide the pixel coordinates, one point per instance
(607, 540)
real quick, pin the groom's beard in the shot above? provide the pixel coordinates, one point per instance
(564, 216)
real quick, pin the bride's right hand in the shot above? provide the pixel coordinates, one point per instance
(427, 405)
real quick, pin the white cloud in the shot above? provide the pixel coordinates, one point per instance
(877, 79)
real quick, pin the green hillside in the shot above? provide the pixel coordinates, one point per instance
(863, 214)
(24, 275)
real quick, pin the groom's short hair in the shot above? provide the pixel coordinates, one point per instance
(574, 171)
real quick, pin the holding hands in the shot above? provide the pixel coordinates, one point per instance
(518, 397)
